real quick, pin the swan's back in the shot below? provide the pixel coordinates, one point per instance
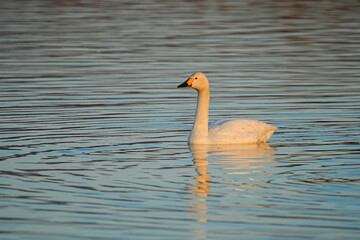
(233, 131)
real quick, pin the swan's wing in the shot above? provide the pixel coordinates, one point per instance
(219, 122)
(240, 131)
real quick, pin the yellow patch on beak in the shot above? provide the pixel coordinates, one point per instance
(190, 81)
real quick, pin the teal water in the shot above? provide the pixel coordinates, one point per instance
(93, 129)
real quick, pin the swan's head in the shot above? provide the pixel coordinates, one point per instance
(197, 81)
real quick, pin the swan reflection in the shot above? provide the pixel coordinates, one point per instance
(234, 157)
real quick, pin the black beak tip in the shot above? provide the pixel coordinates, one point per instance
(184, 84)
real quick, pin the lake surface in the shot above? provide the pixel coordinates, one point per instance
(94, 131)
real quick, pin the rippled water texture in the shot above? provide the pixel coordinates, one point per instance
(93, 130)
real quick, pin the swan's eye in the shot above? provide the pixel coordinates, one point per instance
(196, 78)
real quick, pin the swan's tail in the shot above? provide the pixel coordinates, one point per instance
(268, 133)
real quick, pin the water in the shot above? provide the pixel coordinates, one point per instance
(93, 129)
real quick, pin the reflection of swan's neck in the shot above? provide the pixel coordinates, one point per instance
(200, 128)
(203, 186)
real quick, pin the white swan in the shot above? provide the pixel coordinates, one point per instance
(223, 131)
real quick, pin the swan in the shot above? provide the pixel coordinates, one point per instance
(222, 131)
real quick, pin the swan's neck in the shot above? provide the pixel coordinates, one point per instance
(200, 128)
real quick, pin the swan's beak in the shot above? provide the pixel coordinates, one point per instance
(187, 83)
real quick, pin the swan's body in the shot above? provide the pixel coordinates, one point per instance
(223, 131)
